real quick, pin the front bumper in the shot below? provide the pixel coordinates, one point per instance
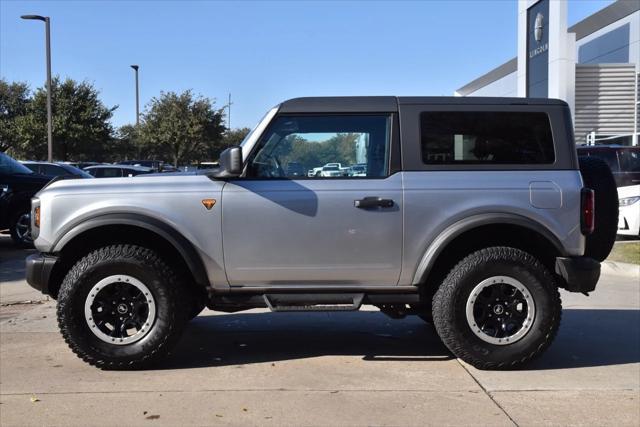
(39, 268)
(580, 274)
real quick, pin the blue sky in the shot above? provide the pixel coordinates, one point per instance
(263, 52)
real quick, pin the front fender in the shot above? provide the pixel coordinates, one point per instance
(186, 249)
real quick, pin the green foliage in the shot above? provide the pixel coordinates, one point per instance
(234, 136)
(81, 128)
(14, 102)
(175, 127)
(182, 128)
(340, 148)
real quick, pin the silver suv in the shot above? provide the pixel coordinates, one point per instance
(468, 212)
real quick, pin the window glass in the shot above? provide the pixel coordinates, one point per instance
(52, 170)
(108, 173)
(474, 137)
(609, 156)
(34, 167)
(10, 166)
(629, 160)
(339, 146)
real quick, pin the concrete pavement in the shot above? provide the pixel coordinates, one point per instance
(260, 368)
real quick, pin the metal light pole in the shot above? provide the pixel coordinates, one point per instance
(47, 22)
(135, 67)
(229, 113)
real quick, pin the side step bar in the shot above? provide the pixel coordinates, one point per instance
(314, 302)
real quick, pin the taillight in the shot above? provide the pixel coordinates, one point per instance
(587, 209)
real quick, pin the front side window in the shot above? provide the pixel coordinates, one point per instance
(483, 137)
(338, 146)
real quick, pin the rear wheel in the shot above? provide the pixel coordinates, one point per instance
(121, 307)
(497, 309)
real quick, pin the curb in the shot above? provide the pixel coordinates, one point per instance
(620, 269)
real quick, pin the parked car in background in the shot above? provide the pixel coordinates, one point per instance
(332, 170)
(18, 184)
(81, 165)
(629, 210)
(358, 170)
(295, 169)
(117, 171)
(55, 169)
(156, 165)
(623, 160)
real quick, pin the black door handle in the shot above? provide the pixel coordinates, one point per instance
(373, 202)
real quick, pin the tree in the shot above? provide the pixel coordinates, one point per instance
(14, 102)
(234, 136)
(182, 128)
(81, 128)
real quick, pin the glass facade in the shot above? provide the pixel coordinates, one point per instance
(609, 48)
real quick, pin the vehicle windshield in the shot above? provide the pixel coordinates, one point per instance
(9, 166)
(250, 134)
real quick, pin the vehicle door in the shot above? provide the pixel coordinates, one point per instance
(283, 228)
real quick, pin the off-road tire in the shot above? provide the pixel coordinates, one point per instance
(144, 265)
(597, 175)
(449, 308)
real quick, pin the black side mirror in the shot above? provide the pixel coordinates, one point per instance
(230, 162)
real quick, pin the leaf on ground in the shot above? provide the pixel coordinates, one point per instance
(34, 399)
(153, 417)
(219, 415)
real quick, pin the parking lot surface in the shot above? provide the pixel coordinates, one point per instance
(307, 369)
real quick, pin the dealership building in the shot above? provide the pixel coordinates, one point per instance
(593, 65)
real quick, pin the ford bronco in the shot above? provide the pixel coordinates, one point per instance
(471, 213)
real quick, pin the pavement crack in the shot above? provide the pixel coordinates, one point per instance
(504, 411)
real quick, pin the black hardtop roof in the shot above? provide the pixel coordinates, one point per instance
(345, 104)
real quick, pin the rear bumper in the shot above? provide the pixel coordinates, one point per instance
(39, 267)
(580, 274)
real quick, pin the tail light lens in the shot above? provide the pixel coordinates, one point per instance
(587, 208)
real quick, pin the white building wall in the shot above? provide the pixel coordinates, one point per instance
(505, 86)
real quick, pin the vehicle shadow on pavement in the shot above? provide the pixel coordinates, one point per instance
(246, 338)
(587, 338)
(593, 337)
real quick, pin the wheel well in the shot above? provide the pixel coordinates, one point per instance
(510, 235)
(105, 235)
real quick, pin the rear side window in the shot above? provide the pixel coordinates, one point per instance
(484, 137)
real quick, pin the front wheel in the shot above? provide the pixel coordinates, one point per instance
(498, 308)
(20, 229)
(120, 307)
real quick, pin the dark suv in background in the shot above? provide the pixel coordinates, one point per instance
(624, 161)
(18, 184)
(56, 169)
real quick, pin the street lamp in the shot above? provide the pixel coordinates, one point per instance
(47, 22)
(135, 67)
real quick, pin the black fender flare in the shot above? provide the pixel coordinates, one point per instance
(467, 224)
(184, 247)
